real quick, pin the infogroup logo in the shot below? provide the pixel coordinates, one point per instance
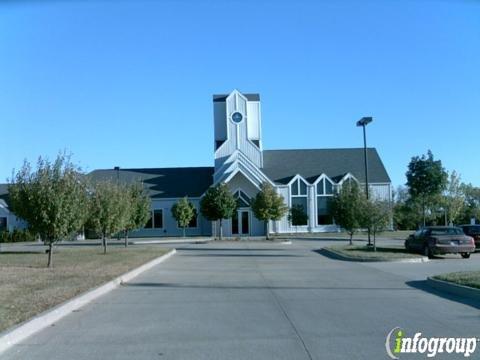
(398, 343)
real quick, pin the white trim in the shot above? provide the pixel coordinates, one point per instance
(348, 176)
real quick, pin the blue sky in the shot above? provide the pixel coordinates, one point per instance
(129, 83)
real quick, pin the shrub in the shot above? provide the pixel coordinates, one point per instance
(17, 235)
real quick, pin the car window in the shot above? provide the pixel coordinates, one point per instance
(447, 231)
(473, 230)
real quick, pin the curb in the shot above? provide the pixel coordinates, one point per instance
(455, 289)
(338, 256)
(48, 317)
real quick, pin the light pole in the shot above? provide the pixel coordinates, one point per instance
(363, 122)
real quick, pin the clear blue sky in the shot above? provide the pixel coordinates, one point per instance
(129, 83)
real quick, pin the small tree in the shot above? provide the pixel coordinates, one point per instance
(377, 215)
(109, 209)
(183, 212)
(218, 203)
(347, 208)
(454, 198)
(139, 209)
(268, 205)
(297, 215)
(426, 180)
(51, 198)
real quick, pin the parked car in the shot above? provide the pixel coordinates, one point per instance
(473, 231)
(439, 240)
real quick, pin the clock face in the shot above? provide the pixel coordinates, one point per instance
(237, 117)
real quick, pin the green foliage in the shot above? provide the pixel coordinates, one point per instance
(218, 203)
(426, 180)
(297, 215)
(348, 208)
(139, 209)
(51, 198)
(472, 203)
(453, 200)
(376, 217)
(109, 207)
(17, 235)
(183, 211)
(268, 205)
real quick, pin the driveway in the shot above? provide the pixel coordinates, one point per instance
(258, 301)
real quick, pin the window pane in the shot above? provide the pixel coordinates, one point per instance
(303, 188)
(149, 223)
(158, 219)
(3, 223)
(323, 210)
(300, 202)
(193, 222)
(295, 188)
(320, 187)
(328, 187)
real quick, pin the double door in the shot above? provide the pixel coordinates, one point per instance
(241, 223)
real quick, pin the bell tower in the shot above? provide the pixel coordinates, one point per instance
(237, 123)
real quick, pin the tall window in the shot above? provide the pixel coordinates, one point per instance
(299, 196)
(156, 220)
(324, 200)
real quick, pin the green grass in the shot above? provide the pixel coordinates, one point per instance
(466, 278)
(356, 252)
(27, 287)
(395, 235)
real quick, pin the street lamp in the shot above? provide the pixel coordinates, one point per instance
(363, 122)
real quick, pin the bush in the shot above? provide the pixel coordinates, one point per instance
(16, 235)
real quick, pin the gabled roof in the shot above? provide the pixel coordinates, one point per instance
(163, 182)
(282, 165)
(223, 97)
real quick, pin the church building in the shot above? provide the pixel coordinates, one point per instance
(308, 177)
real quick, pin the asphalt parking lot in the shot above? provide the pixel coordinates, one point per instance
(259, 300)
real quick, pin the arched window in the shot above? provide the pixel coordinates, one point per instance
(325, 191)
(298, 197)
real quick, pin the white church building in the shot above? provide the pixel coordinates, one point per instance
(308, 177)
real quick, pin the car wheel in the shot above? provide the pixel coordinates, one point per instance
(465, 255)
(427, 252)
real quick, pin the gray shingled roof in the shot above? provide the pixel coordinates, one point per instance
(163, 182)
(223, 97)
(282, 165)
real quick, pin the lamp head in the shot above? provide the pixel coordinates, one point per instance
(364, 121)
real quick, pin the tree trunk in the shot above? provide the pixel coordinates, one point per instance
(104, 242)
(351, 236)
(126, 238)
(374, 240)
(423, 209)
(50, 253)
(184, 231)
(267, 229)
(221, 229)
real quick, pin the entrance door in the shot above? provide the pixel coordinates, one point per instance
(245, 222)
(241, 223)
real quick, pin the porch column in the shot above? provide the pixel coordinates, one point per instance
(311, 207)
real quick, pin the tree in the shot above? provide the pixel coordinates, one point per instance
(218, 203)
(297, 215)
(406, 212)
(472, 200)
(376, 217)
(109, 209)
(454, 198)
(139, 209)
(183, 211)
(51, 198)
(347, 208)
(268, 205)
(426, 180)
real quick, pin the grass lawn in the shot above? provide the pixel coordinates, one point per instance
(466, 278)
(396, 235)
(362, 252)
(28, 287)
